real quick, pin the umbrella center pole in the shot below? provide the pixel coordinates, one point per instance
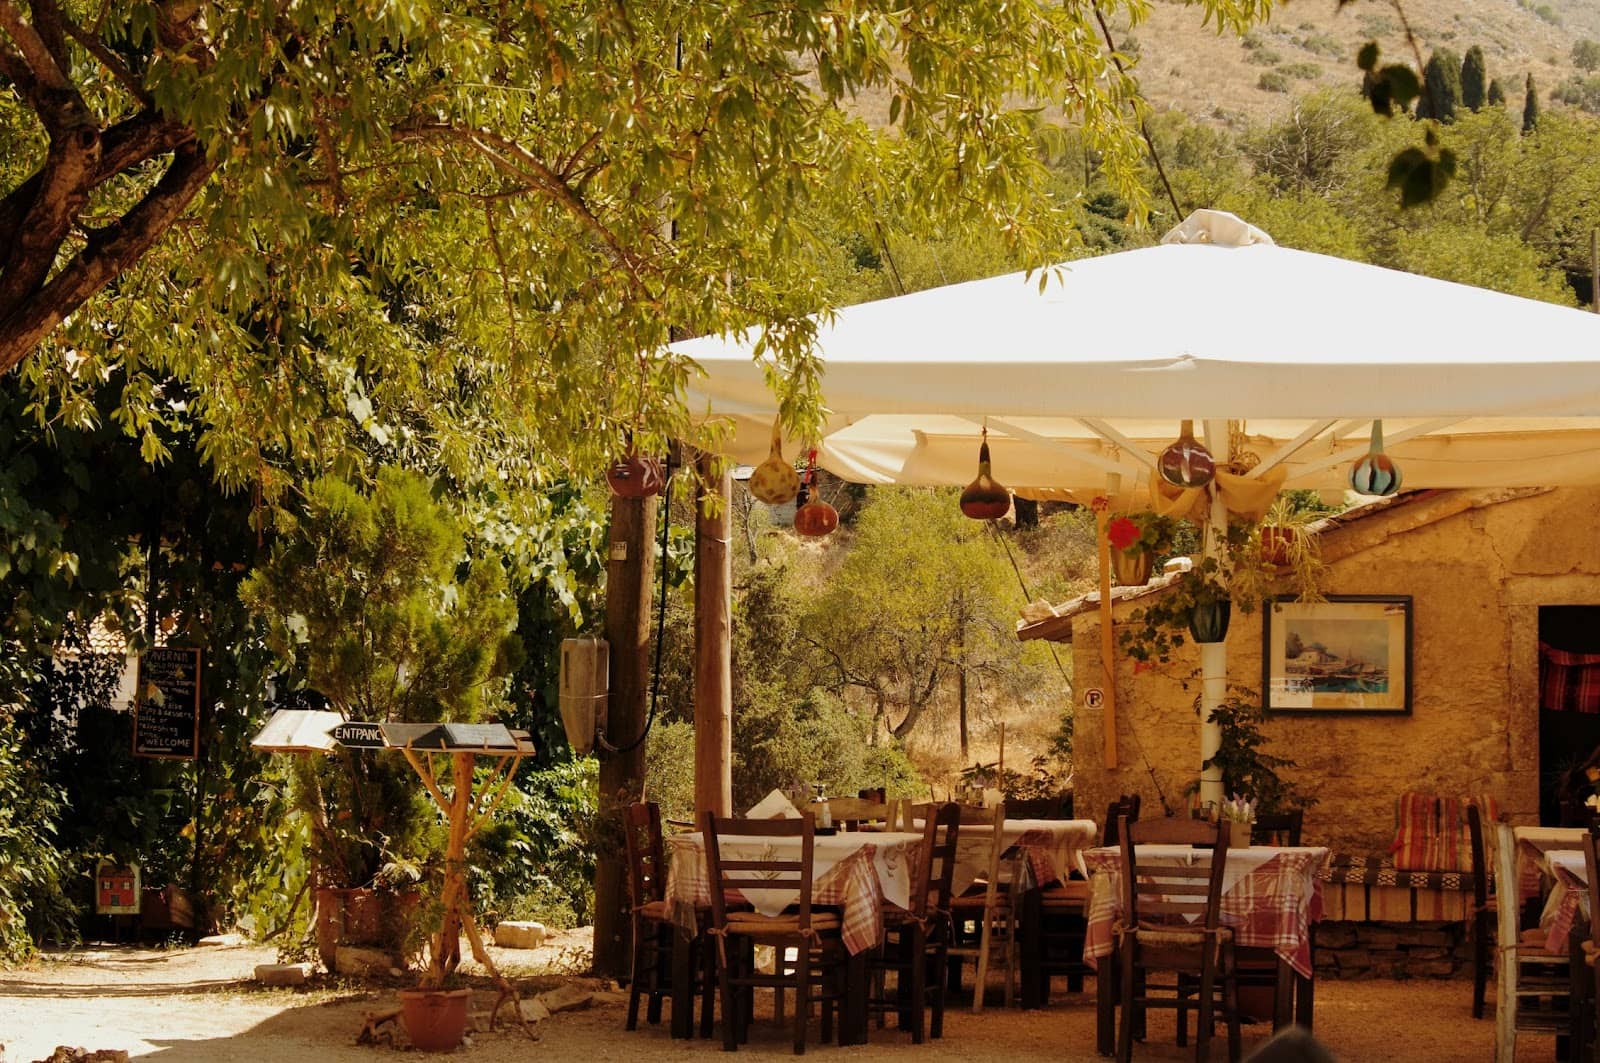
(1213, 655)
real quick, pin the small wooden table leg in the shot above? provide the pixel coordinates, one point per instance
(682, 985)
(853, 1008)
(1283, 1003)
(1304, 999)
(1031, 927)
(1105, 1002)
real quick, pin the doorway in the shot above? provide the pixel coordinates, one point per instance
(1569, 708)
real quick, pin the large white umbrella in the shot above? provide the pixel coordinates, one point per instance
(1083, 381)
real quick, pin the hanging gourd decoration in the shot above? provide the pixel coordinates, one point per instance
(985, 498)
(635, 476)
(775, 481)
(1376, 473)
(813, 517)
(1187, 463)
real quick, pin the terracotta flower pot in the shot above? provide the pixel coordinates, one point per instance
(435, 1019)
(1132, 567)
(1275, 543)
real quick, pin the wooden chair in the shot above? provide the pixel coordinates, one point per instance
(1277, 828)
(990, 905)
(1174, 925)
(814, 936)
(1533, 987)
(917, 940)
(1124, 807)
(1484, 912)
(652, 928)
(1585, 973)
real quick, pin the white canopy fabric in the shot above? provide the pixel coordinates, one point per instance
(1092, 375)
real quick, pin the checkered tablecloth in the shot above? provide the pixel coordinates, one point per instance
(1047, 850)
(855, 872)
(1270, 896)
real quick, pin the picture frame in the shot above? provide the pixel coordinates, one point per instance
(1348, 654)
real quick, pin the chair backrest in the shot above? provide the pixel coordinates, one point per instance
(789, 871)
(1480, 865)
(990, 823)
(1124, 807)
(1035, 808)
(878, 794)
(647, 869)
(1591, 860)
(937, 860)
(1277, 828)
(851, 812)
(1186, 894)
(1505, 872)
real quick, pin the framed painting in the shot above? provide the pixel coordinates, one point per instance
(1348, 654)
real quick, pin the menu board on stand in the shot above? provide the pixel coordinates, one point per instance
(166, 714)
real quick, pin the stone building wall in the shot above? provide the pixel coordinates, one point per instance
(1478, 565)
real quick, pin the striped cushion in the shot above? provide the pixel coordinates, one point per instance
(1431, 831)
(754, 923)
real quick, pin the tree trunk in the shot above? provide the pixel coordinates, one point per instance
(961, 704)
(713, 661)
(630, 573)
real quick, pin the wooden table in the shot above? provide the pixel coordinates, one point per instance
(1270, 896)
(856, 871)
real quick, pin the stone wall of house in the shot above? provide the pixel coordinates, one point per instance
(1392, 950)
(1478, 565)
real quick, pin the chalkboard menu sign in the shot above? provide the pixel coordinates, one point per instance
(166, 715)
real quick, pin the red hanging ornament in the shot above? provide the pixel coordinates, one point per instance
(814, 518)
(1187, 463)
(985, 498)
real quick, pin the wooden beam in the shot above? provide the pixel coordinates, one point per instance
(713, 632)
(630, 576)
(1108, 652)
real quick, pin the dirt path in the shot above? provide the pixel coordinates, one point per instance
(198, 1006)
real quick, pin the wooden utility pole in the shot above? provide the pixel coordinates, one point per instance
(630, 575)
(713, 647)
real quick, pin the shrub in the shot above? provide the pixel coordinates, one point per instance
(33, 871)
(1586, 54)
(1264, 57)
(1324, 44)
(536, 861)
(1303, 71)
(1273, 81)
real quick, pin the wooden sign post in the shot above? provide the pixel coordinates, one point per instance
(166, 713)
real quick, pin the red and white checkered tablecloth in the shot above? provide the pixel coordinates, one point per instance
(1271, 901)
(854, 872)
(1047, 850)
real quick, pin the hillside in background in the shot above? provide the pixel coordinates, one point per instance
(1311, 43)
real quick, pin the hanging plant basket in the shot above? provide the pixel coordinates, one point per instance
(1208, 621)
(1132, 568)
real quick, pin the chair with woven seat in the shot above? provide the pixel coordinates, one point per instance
(989, 907)
(1064, 914)
(1171, 921)
(1036, 807)
(1533, 986)
(1278, 828)
(653, 929)
(1484, 912)
(1124, 807)
(815, 971)
(916, 940)
(1585, 1006)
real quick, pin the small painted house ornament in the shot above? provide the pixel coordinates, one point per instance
(1187, 463)
(1375, 473)
(813, 516)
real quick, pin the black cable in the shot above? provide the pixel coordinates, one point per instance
(661, 620)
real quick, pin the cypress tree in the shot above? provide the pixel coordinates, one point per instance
(1530, 107)
(1497, 95)
(1441, 94)
(1473, 75)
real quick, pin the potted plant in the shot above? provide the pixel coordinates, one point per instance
(1198, 603)
(371, 599)
(1137, 541)
(1287, 540)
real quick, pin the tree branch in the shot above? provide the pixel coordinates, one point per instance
(108, 253)
(35, 53)
(108, 59)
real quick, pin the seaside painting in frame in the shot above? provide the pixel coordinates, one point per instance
(1347, 654)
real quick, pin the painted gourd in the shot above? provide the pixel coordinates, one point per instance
(985, 498)
(1187, 463)
(1376, 473)
(775, 481)
(635, 477)
(814, 517)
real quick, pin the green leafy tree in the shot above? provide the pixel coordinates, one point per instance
(1530, 107)
(1586, 54)
(371, 598)
(1441, 87)
(1474, 76)
(322, 217)
(922, 606)
(1497, 94)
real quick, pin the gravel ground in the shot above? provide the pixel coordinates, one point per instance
(198, 1006)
